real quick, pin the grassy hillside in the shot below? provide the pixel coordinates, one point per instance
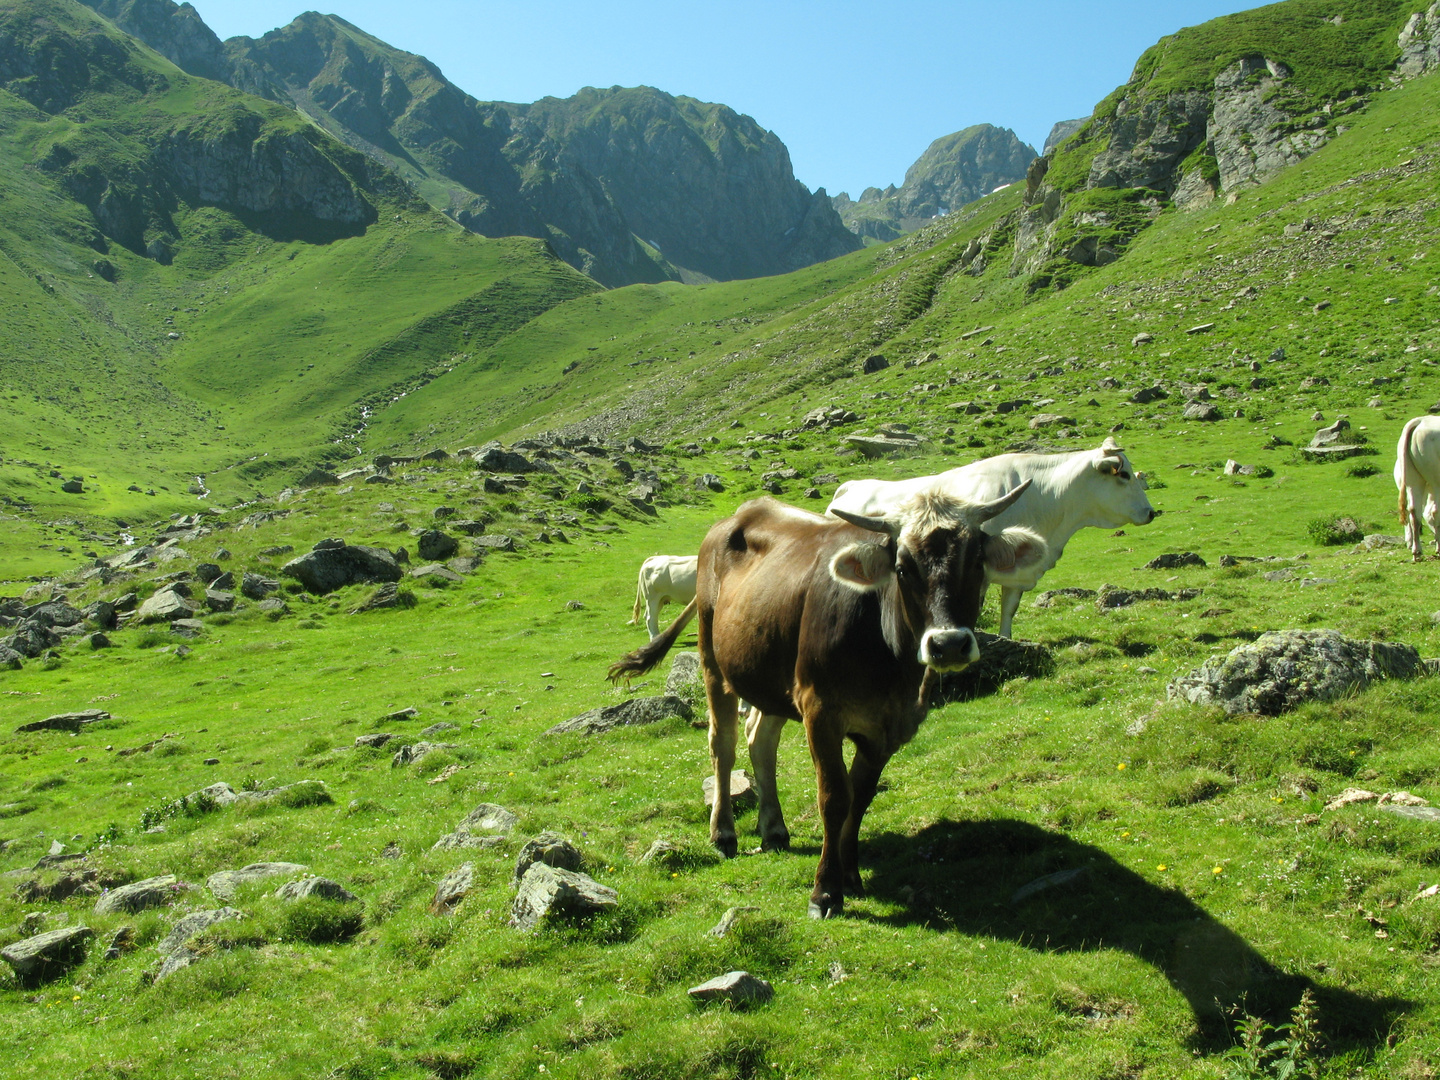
(1201, 877)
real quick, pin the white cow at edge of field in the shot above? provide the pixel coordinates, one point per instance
(664, 579)
(1417, 475)
(1069, 492)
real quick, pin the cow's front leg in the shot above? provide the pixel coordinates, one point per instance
(833, 792)
(762, 733)
(724, 733)
(864, 780)
(1009, 604)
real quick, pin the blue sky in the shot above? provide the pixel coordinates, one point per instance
(856, 91)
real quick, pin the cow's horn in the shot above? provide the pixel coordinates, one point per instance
(874, 524)
(1110, 447)
(986, 511)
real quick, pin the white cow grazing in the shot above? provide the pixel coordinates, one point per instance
(1069, 492)
(664, 579)
(1417, 475)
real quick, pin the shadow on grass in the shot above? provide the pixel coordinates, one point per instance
(984, 877)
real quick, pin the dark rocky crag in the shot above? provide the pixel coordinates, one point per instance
(956, 169)
(626, 184)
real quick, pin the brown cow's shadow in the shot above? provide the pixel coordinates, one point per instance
(1016, 881)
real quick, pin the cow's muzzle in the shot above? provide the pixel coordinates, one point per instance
(949, 650)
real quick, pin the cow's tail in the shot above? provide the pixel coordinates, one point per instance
(1403, 468)
(647, 656)
(639, 600)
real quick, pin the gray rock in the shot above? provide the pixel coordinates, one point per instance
(386, 596)
(72, 721)
(187, 628)
(1279, 575)
(549, 848)
(377, 740)
(165, 606)
(435, 546)
(10, 660)
(121, 942)
(662, 852)
(496, 542)
(496, 459)
(1044, 420)
(219, 600)
(874, 446)
(728, 920)
(1419, 43)
(437, 570)
(489, 818)
(1253, 137)
(333, 564)
(255, 587)
(709, 482)
(55, 613)
(1049, 597)
(440, 728)
(646, 710)
(1379, 542)
(743, 795)
(318, 887)
(1110, 597)
(1415, 813)
(192, 924)
(464, 841)
(1174, 561)
(737, 987)
(684, 673)
(207, 572)
(1001, 659)
(273, 605)
(152, 892)
(1331, 436)
(1203, 412)
(1283, 669)
(453, 888)
(46, 956)
(547, 893)
(410, 753)
(223, 884)
(1146, 395)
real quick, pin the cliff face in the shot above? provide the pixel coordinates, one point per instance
(710, 193)
(150, 161)
(1209, 111)
(954, 170)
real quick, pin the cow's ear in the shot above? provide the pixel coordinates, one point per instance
(1015, 549)
(863, 567)
(1106, 467)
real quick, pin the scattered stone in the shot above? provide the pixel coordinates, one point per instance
(121, 942)
(1285, 668)
(709, 482)
(1001, 659)
(662, 852)
(874, 446)
(407, 713)
(219, 600)
(319, 887)
(46, 956)
(873, 364)
(435, 546)
(1418, 813)
(496, 542)
(728, 920)
(223, 884)
(548, 893)
(549, 848)
(334, 564)
(1279, 575)
(440, 728)
(1202, 412)
(739, 988)
(1044, 420)
(1142, 338)
(1146, 395)
(1379, 542)
(71, 722)
(410, 754)
(152, 892)
(167, 605)
(193, 924)
(743, 795)
(1048, 598)
(1203, 328)
(486, 826)
(273, 605)
(437, 570)
(1110, 597)
(684, 673)
(386, 596)
(1330, 436)
(452, 889)
(1174, 561)
(187, 628)
(255, 587)
(647, 710)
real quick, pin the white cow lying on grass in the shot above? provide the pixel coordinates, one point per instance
(664, 579)
(1417, 475)
(1069, 492)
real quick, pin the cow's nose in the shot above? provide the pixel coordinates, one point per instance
(949, 650)
(1153, 515)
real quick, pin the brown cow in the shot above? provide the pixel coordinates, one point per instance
(825, 622)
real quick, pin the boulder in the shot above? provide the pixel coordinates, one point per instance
(71, 721)
(224, 883)
(319, 887)
(684, 673)
(207, 572)
(496, 459)
(873, 364)
(333, 564)
(453, 888)
(48, 955)
(1051, 596)
(410, 753)
(55, 613)
(1331, 436)
(1109, 597)
(193, 924)
(1174, 561)
(1203, 412)
(743, 795)
(437, 570)
(1146, 395)
(386, 596)
(549, 848)
(1285, 668)
(1045, 419)
(256, 587)
(166, 606)
(547, 893)
(436, 546)
(647, 710)
(739, 988)
(219, 600)
(152, 892)
(496, 542)
(1001, 659)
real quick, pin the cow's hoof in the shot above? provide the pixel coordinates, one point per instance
(853, 885)
(726, 845)
(827, 907)
(778, 842)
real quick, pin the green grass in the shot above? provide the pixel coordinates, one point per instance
(1210, 868)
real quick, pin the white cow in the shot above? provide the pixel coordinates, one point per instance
(1417, 475)
(1084, 489)
(664, 579)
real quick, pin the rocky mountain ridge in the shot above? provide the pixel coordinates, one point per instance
(626, 184)
(954, 170)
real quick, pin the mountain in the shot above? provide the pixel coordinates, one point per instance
(1060, 132)
(954, 170)
(627, 184)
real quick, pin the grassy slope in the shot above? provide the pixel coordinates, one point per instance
(1209, 856)
(284, 327)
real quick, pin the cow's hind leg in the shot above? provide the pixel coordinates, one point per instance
(865, 772)
(653, 604)
(762, 733)
(724, 734)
